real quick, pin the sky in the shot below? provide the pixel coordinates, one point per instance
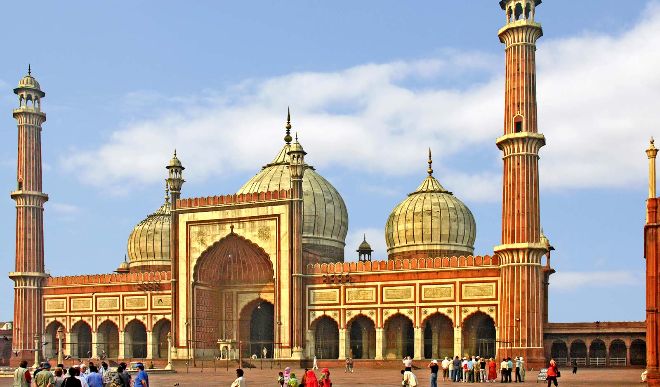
(371, 85)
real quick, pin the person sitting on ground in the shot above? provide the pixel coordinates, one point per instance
(240, 381)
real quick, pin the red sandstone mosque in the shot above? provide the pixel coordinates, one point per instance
(264, 271)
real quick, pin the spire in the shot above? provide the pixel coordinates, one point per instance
(29, 69)
(365, 237)
(430, 170)
(287, 137)
(652, 152)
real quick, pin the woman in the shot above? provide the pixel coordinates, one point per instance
(310, 379)
(553, 372)
(287, 374)
(492, 370)
(293, 381)
(325, 378)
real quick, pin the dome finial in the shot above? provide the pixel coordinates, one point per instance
(365, 237)
(287, 137)
(29, 69)
(430, 170)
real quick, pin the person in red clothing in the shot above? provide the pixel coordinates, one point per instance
(310, 379)
(325, 378)
(553, 371)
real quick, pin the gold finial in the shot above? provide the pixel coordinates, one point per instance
(287, 137)
(430, 170)
(174, 152)
(29, 70)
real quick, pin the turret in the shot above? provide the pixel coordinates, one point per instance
(175, 178)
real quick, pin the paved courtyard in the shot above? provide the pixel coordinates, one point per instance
(377, 377)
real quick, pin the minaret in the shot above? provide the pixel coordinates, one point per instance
(29, 274)
(174, 183)
(520, 315)
(175, 178)
(296, 169)
(652, 255)
(364, 251)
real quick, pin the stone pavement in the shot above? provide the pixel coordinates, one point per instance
(379, 377)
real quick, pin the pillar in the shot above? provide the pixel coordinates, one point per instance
(311, 344)
(60, 354)
(419, 344)
(380, 338)
(652, 255)
(169, 351)
(458, 341)
(342, 343)
(68, 346)
(121, 347)
(95, 344)
(37, 349)
(150, 344)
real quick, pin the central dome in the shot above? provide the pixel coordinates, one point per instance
(325, 219)
(430, 222)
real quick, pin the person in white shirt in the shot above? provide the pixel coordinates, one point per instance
(409, 379)
(407, 362)
(445, 369)
(240, 381)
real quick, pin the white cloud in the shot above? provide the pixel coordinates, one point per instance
(64, 208)
(375, 237)
(568, 281)
(597, 96)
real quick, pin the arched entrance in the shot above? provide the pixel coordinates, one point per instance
(160, 331)
(51, 338)
(638, 352)
(257, 329)
(559, 352)
(479, 335)
(399, 337)
(108, 340)
(597, 353)
(229, 266)
(81, 340)
(135, 340)
(579, 352)
(438, 337)
(362, 331)
(326, 338)
(618, 353)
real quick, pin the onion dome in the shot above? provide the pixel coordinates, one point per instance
(149, 242)
(430, 222)
(325, 218)
(364, 246)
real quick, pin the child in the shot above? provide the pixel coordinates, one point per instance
(280, 378)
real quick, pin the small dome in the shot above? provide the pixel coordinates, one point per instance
(28, 82)
(325, 219)
(364, 246)
(174, 162)
(430, 222)
(149, 243)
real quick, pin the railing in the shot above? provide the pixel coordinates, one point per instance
(562, 361)
(618, 362)
(597, 362)
(580, 361)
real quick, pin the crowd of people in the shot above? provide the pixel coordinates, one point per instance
(80, 375)
(308, 379)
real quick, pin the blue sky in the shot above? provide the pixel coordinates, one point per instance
(371, 85)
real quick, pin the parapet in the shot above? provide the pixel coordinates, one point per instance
(232, 199)
(107, 279)
(448, 263)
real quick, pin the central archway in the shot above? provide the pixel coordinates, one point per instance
(53, 341)
(135, 340)
(257, 331)
(326, 338)
(399, 337)
(108, 340)
(479, 335)
(81, 340)
(362, 331)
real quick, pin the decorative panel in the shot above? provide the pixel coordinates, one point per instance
(81, 304)
(107, 303)
(135, 302)
(161, 301)
(330, 296)
(58, 305)
(398, 293)
(437, 292)
(473, 291)
(360, 295)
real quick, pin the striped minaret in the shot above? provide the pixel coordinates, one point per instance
(520, 316)
(29, 273)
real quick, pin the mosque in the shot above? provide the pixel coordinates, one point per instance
(265, 271)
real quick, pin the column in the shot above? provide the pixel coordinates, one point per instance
(37, 348)
(60, 350)
(68, 348)
(150, 344)
(95, 344)
(458, 341)
(121, 354)
(419, 344)
(169, 351)
(342, 343)
(311, 348)
(380, 335)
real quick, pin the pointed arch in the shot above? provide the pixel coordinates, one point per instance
(81, 340)
(52, 339)
(399, 337)
(160, 331)
(362, 337)
(326, 338)
(438, 332)
(108, 339)
(479, 335)
(135, 340)
(257, 327)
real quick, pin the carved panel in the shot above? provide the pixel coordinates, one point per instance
(437, 292)
(78, 304)
(135, 302)
(229, 315)
(478, 290)
(398, 293)
(58, 305)
(161, 301)
(330, 296)
(107, 303)
(360, 295)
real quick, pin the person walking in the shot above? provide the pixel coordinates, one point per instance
(509, 369)
(310, 379)
(141, 379)
(492, 370)
(458, 369)
(574, 364)
(433, 365)
(482, 370)
(45, 378)
(503, 366)
(445, 368)
(240, 380)
(315, 364)
(553, 373)
(409, 379)
(22, 377)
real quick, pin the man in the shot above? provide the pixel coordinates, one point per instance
(477, 370)
(315, 364)
(518, 376)
(240, 381)
(141, 379)
(433, 365)
(94, 378)
(445, 369)
(81, 376)
(407, 363)
(482, 369)
(22, 377)
(503, 366)
(457, 369)
(44, 378)
(470, 370)
(264, 352)
(509, 369)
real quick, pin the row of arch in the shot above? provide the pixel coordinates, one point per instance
(599, 354)
(478, 337)
(82, 343)
(519, 13)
